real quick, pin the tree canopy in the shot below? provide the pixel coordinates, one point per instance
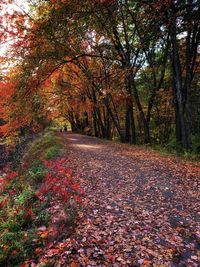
(124, 69)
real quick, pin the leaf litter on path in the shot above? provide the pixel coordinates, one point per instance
(140, 209)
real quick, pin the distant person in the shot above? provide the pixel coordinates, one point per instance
(65, 128)
(61, 130)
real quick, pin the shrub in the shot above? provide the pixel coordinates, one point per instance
(59, 183)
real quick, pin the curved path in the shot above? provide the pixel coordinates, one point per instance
(140, 209)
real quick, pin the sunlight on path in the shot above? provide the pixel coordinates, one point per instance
(88, 146)
(80, 142)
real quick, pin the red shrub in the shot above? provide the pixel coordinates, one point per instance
(59, 182)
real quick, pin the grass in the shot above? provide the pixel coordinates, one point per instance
(45, 147)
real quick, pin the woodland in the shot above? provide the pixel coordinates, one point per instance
(124, 77)
(125, 70)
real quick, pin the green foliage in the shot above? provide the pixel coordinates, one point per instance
(36, 173)
(171, 145)
(17, 245)
(196, 145)
(171, 148)
(52, 152)
(26, 197)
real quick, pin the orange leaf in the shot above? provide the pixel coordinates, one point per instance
(44, 234)
(5, 247)
(73, 264)
(25, 264)
(146, 263)
(37, 251)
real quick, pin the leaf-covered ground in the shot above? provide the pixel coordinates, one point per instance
(139, 209)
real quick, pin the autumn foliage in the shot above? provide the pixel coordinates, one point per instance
(125, 70)
(59, 183)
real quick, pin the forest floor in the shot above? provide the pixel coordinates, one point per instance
(139, 208)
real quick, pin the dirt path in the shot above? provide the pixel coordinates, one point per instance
(140, 209)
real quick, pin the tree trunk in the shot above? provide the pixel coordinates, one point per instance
(100, 124)
(130, 135)
(108, 125)
(179, 97)
(95, 124)
(113, 115)
(147, 138)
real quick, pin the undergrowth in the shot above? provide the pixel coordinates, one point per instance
(171, 149)
(23, 199)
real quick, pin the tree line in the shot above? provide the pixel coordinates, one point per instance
(117, 69)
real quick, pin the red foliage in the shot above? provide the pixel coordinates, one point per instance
(59, 183)
(4, 180)
(28, 213)
(11, 175)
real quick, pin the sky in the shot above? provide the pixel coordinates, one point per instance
(17, 5)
